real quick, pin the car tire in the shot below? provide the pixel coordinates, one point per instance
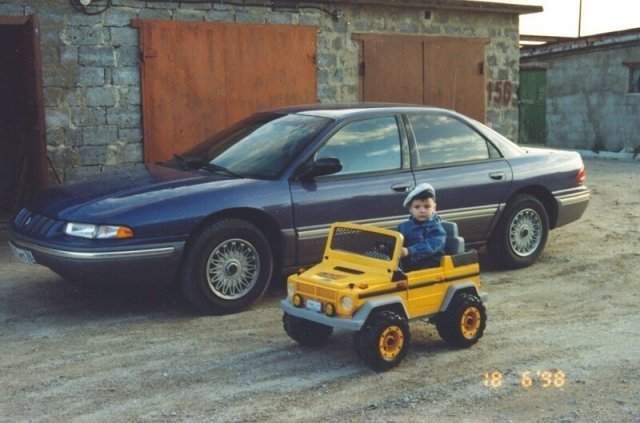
(464, 321)
(521, 234)
(306, 332)
(227, 267)
(384, 341)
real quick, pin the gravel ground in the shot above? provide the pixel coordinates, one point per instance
(137, 354)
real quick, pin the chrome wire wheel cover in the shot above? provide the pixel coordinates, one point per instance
(233, 268)
(525, 232)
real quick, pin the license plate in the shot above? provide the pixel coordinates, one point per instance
(314, 305)
(23, 256)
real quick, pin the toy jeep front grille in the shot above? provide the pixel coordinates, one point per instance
(316, 291)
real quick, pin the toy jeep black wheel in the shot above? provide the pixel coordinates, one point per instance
(464, 321)
(383, 342)
(305, 332)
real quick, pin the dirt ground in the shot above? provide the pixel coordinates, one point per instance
(123, 354)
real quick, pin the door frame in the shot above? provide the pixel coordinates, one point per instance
(522, 102)
(37, 145)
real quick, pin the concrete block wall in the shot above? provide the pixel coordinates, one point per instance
(92, 82)
(588, 103)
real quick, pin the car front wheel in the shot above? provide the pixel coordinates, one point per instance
(227, 267)
(521, 234)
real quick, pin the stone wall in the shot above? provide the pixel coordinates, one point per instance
(92, 83)
(587, 101)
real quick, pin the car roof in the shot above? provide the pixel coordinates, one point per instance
(341, 111)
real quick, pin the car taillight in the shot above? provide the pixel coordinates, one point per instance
(581, 176)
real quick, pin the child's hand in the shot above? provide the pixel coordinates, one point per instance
(405, 252)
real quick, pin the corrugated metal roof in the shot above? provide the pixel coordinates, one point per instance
(591, 42)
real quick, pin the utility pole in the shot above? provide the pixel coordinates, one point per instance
(580, 20)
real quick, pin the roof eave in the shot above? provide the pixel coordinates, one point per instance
(459, 5)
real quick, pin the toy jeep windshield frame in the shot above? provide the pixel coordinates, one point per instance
(377, 249)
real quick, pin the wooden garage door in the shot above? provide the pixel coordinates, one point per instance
(198, 78)
(392, 69)
(436, 71)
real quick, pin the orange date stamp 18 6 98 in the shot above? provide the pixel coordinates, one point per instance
(547, 379)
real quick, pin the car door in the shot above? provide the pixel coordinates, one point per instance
(469, 174)
(370, 188)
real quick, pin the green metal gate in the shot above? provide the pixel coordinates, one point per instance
(533, 128)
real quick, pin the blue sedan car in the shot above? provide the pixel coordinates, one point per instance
(257, 199)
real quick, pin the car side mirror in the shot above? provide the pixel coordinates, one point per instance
(319, 167)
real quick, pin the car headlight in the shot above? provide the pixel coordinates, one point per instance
(346, 303)
(85, 230)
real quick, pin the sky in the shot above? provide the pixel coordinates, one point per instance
(560, 17)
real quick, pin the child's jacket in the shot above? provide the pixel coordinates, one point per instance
(425, 242)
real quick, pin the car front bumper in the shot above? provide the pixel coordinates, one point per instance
(153, 261)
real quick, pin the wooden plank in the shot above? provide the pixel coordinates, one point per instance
(40, 175)
(14, 20)
(453, 76)
(393, 69)
(269, 66)
(197, 78)
(449, 73)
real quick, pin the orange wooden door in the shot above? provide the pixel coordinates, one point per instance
(435, 71)
(393, 69)
(454, 76)
(198, 78)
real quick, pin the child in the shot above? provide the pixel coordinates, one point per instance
(424, 236)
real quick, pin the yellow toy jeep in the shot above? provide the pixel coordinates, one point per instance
(358, 286)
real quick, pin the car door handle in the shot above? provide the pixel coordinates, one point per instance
(496, 175)
(400, 187)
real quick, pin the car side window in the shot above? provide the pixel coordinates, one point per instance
(369, 145)
(442, 139)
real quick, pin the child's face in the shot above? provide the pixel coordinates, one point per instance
(422, 210)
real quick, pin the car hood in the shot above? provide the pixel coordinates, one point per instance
(140, 182)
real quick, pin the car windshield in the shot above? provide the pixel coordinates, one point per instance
(260, 146)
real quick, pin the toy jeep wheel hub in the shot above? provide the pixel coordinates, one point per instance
(391, 342)
(470, 322)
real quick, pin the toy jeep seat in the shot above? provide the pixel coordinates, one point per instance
(454, 243)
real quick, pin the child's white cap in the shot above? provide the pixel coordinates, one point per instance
(419, 189)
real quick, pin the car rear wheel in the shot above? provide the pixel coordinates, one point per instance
(227, 267)
(521, 234)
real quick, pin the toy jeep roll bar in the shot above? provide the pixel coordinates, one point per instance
(359, 286)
